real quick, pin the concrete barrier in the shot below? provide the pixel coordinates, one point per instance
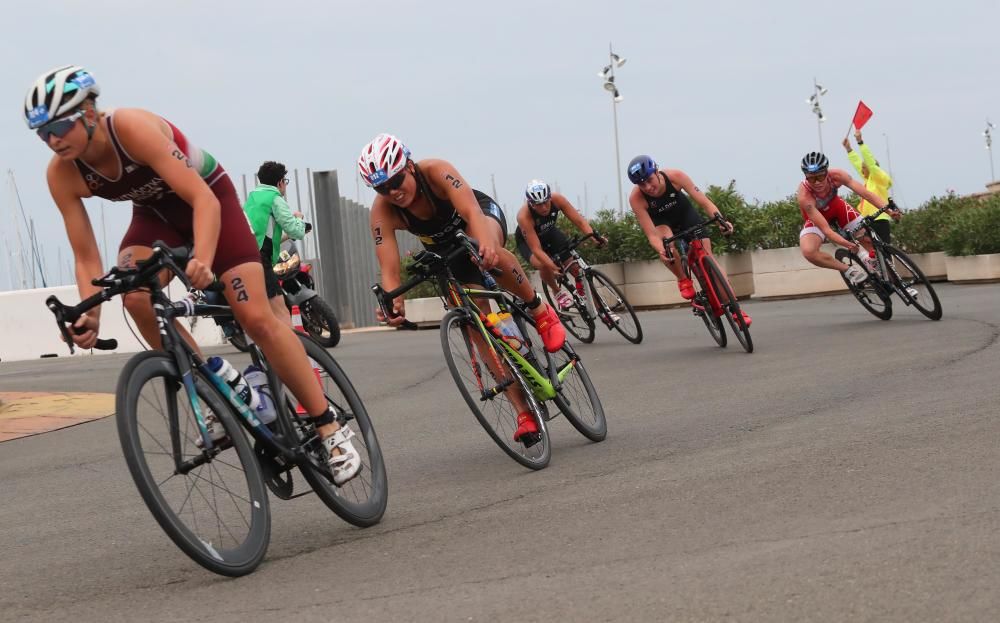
(29, 330)
(974, 268)
(425, 311)
(931, 264)
(784, 272)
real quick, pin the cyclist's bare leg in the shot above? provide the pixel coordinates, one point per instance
(546, 273)
(247, 295)
(675, 267)
(280, 310)
(512, 277)
(140, 306)
(810, 244)
(513, 392)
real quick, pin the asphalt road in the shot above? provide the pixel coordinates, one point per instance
(847, 470)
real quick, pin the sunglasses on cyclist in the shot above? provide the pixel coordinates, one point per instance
(60, 127)
(391, 184)
(815, 178)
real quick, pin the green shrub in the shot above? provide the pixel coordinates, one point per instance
(923, 230)
(974, 230)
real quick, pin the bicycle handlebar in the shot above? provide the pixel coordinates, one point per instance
(118, 281)
(691, 232)
(435, 265)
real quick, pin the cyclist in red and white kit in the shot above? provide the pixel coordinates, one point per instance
(821, 207)
(180, 195)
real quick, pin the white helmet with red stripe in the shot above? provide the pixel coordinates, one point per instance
(382, 158)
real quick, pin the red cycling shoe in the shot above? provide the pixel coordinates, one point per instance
(526, 428)
(552, 332)
(746, 318)
(686, 288)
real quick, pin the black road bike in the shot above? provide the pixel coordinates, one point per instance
(488, 366)
(893, 273)
(208, 494)
(595, 297)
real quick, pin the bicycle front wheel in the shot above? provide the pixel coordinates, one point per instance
(730, 304)
(613, 308)
(217, 510)
(486, 380)
(916, 288)
(362, 500)
(577, 319)
(868, 293)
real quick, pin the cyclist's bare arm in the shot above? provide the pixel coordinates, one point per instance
(527, 225)
(445, 179)
(641, 210)
(148, 139)
(572, 213)
(808, 205)
(384, 224)
(68, 190)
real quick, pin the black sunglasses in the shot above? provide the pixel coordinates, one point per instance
(391, 184)
(59, 127)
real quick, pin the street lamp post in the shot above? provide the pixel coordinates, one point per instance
(608, 75)
(988, 133)
(813, 100)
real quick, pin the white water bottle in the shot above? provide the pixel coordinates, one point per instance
(512, 335)
(257, 379)
(234, 379)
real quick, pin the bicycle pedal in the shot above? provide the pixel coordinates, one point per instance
(496, 390)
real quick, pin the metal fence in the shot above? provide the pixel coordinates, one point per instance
(347, 264)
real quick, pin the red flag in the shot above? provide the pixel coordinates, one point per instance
(862, 115)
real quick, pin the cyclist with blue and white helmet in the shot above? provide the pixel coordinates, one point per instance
(538, 236)
(181, 195)
(661, 201)
(822, 207)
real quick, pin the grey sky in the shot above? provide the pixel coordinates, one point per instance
(510, 88)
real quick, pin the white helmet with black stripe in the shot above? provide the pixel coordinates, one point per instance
(57, 93)
(537, 192)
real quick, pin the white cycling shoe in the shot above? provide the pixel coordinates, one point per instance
(347, 464)
(215, 429)
(855, 275)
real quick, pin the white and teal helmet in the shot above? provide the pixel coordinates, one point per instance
(57, 93)
(537, 192)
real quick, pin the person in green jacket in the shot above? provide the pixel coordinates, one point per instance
(876, 180)
(270, 216)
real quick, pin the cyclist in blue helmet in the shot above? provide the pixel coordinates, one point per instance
(661, 201)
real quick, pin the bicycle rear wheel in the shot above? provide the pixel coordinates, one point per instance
(703, 307)
(577, 319)
(916, 289)
(730, 304)
(869, 293)
(362, 500)
(610, 302)
(485, 384)
(217, 513)
(577, 398)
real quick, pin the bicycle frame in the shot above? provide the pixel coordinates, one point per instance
(183, 354)
(462, 298)
(693, 256)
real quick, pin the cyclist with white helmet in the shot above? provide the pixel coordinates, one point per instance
(661, 202)
(181, 195)
(822, 207)
(538, 237)
(431, 199)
